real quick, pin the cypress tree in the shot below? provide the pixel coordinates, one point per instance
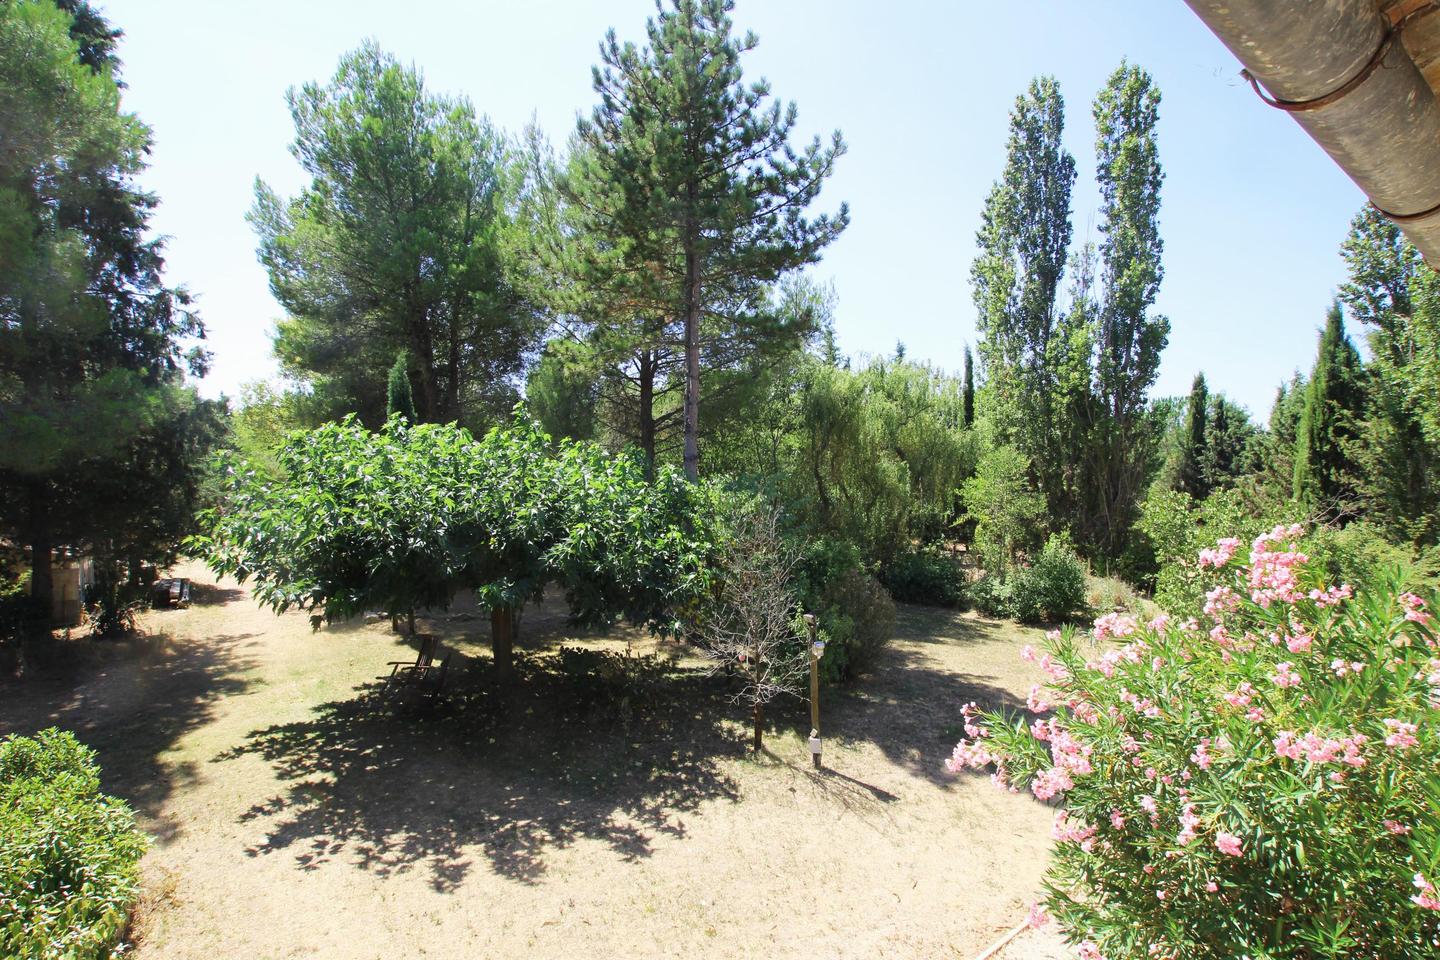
(968, 395)
(398, 398)
(1192, 474)
(1334, 405)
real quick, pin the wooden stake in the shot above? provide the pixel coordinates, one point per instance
(810, 629)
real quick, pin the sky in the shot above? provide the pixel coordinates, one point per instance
(1252, 211)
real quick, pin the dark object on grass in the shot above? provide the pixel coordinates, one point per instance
(424, 677)
(170, 592)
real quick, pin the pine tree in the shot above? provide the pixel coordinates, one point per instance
(398, 397)
(1192, 473)
(101, 440)
(1325, 470)
(693, 197)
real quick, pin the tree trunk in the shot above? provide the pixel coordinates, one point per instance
(647, 411)
(411, 619)
(42, 580)
(692, 359)
(502, 639)
(759, 714)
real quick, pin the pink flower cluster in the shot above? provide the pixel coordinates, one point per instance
(1285, 675)
(1220, 601)
(1401, 735)
(1331, 597)
(1063, 831)
(1415, 610)
(1274, 574)
(1114, 625)
(1228, 844)
(1318, 749)
(1219, 555)
(1425, 899)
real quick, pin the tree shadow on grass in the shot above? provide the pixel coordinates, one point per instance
(506, 773)
(132, 700)
(909, 704)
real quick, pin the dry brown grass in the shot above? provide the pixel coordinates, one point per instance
(297, 815)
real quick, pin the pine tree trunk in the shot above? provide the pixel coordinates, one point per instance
(647, 411)
(692, 359)
(502, 639)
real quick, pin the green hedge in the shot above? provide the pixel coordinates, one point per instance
(68, 853)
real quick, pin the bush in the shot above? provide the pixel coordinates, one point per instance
(68, 853)
(1259, 780)
(604, 686)
(113, 606)
(1052, 588)
(925, 576)
(992, 597)
(854, 614)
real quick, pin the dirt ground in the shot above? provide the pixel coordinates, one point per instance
(295, 814)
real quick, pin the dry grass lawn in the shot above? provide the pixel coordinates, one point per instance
(297, 815)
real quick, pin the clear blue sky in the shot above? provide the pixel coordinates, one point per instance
(1253, 213)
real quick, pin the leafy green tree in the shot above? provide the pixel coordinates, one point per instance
(399, 400)
(93, 344)
(1391, 293)
(562, 396)
(1128, 337)
(1193, 477)
(402, 241)
(690, 195)
(1229, 441)
(1005, 507)
(1334, 404)
(1024, 241)
(404, 518)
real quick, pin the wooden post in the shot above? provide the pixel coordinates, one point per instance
(810, 630)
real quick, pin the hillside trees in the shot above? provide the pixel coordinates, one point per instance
(688, 199)
(403, 240)
(95, 415)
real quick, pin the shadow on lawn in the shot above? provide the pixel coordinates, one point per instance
(514, 774)
(131, 700)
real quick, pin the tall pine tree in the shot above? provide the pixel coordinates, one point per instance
(693, 198)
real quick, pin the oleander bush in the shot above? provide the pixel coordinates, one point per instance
(68, 853)
(1257, 777)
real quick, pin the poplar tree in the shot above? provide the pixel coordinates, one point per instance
(692, 195)
(1329, 423)
(1024, 241)
(1129, 337)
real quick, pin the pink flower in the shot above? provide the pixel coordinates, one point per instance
(1114, 625)
(1036, 702)
(1220, 554)
(1415, 609)
(1051, 782)
(1088, 950)
(1298, 643)
(1038, 917)
(1212, 887)
(1285, 675)
(1332, 596)
(1116, 820)
(1241, 696)
(1228, 844)
(1425, 899)
(1401, 735)
(1201, 757)
(1147, 803)
(1396, 827)
(971, 755)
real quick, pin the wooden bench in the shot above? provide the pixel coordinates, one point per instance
(423, 676)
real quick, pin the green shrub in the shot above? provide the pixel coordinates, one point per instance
(924, 576)
(854, 614)
(1050, 589)
(1356, 554)
(991, 596)
(68, 853)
